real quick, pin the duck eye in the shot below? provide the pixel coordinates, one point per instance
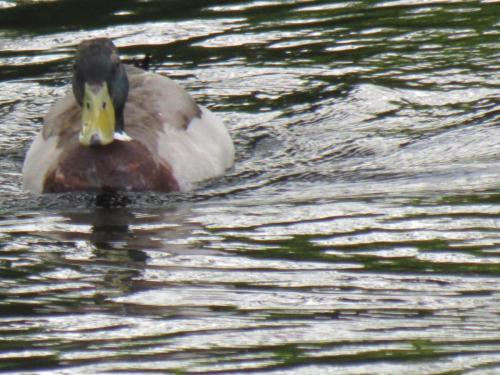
(87, 104)
(104, 105)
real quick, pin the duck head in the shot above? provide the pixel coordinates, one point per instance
(100, 86)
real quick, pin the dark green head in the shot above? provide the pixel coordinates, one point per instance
(100, 86)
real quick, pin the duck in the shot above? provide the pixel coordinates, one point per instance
(122, 128)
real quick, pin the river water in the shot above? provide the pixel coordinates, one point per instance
(358, 233)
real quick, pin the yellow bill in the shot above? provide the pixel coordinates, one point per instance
(98, 116)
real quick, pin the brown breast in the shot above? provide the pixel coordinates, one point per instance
(120, 166)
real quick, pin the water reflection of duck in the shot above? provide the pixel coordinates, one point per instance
(124, 129)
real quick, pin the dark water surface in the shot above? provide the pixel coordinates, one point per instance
(359, 232)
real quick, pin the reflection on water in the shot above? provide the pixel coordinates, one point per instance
(358, 232)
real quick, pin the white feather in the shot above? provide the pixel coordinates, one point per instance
(203, 150)
(42, 155)
(121, 136)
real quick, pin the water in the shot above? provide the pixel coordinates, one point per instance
(358, 233)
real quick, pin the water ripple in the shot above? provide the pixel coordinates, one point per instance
(357, 233)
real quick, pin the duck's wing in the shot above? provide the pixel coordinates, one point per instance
(154, 103)
(60, 129)
(190, 138)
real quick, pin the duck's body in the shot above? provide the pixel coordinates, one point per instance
(162, 140)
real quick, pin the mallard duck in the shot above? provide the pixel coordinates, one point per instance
(124, 129)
